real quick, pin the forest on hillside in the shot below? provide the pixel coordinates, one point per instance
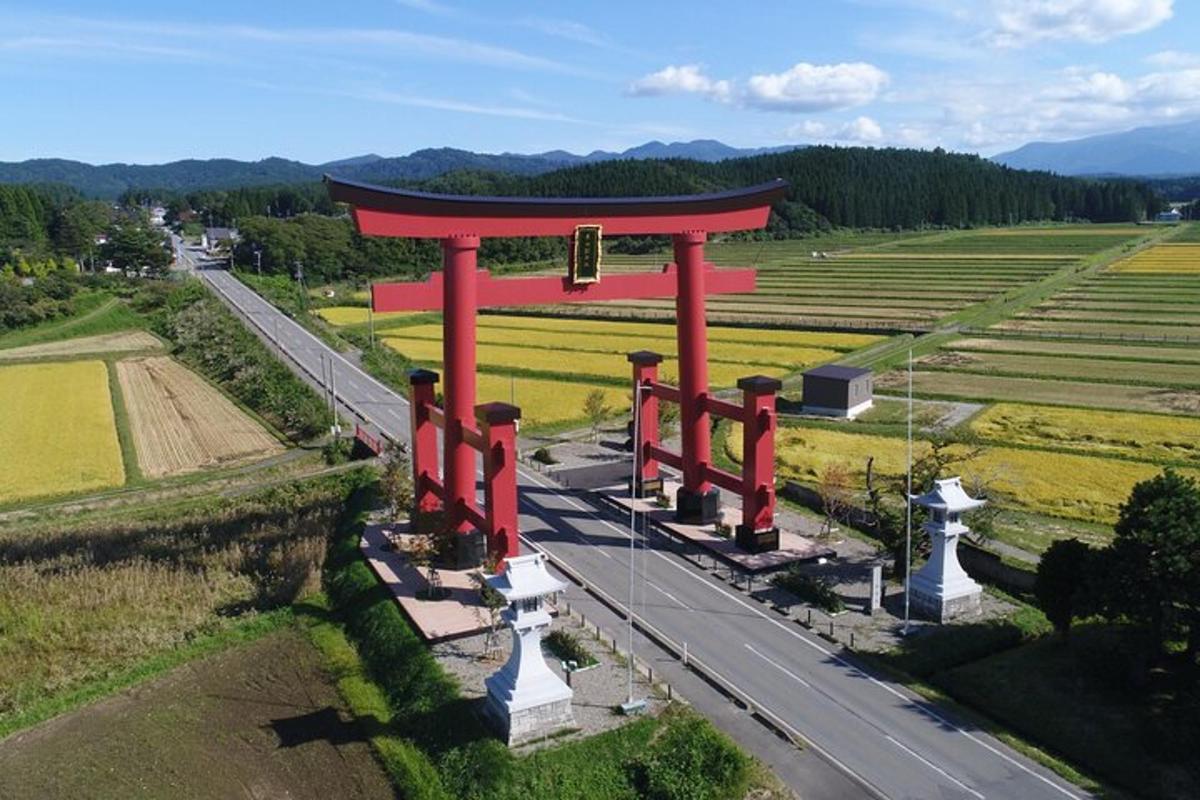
(829, 187)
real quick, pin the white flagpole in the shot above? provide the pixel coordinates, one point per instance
(637, 457)
(908, 499)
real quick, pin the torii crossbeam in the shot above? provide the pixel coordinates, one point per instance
(461, 289)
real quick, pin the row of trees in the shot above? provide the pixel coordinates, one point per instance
(1149, 574)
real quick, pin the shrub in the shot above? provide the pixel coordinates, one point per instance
(691, 760)
(565, 646)
(337, 451)
(543, 456)
(810, 590)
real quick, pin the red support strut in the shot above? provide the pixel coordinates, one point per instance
(757, 532)
(698, 500)
(497, 422)
(424, 441)
(645, 374)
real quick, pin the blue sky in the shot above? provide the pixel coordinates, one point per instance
(149, 82)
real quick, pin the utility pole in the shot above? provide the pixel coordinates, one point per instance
(908, 501)
(258, 261)
(631, 705)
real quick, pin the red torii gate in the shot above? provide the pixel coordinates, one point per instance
(460, 289)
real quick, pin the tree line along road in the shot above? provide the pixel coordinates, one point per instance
(894, 743)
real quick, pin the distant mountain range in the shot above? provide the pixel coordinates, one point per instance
(1151, 151)
(110, 180)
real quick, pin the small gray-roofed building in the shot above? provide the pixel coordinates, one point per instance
(214, 236)
(837, 391)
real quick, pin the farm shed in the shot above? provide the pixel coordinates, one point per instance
(837, 391)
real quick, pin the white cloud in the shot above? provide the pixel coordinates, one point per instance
(860, 130)
(1173, 59)
(816, 87)
(683, 79)
(1022, 22)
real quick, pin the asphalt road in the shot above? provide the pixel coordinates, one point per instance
(896, 743)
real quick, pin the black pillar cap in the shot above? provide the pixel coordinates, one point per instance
(759, 384)
(645, 357)
(422, 376)
(494, 413)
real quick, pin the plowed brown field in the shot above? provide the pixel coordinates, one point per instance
(122, 342)
(182, 424)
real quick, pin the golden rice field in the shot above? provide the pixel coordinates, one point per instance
(546, 401)
(182, 424)
(1173, 259)
(1058, 484)
(340, 316)
(792, 357)
(1144, 436)
(58, 433)
(556, 361)
(120, 342)
(611, 366)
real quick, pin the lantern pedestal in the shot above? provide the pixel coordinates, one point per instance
(525, 699)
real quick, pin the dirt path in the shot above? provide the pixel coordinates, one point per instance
(259, 721)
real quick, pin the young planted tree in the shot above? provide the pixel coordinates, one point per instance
(834, 487)
(395, 479)
(595, 410)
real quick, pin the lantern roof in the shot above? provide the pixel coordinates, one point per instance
(947, 494)
(525, 577)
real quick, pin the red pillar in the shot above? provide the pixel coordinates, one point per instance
(757, 532)
(458, 358)
(698, 500)
(645, 373)
(424, 440)
(497, 422)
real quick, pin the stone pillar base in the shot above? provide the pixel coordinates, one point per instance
(526, 724)
(753, 541)
(648, 487)
(470, 549)
(695, 508)
(945, 609)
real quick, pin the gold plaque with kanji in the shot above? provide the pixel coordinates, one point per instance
(585, 254)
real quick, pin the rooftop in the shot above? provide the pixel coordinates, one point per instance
(838, 372)
(948, 494)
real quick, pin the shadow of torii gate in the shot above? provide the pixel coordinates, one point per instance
(461, 289)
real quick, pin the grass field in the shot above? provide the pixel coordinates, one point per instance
(182, 424)
(120, 342)
(97, 313)
(58, 433)
(89, 603)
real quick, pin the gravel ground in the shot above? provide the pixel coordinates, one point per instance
(599, 690)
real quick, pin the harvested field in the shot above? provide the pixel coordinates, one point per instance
(261, 720)
(182, 424)
(59, 433)
(1033, 390)
(120, 342)
(1057, 367)
(1114, 331)
(1167, 354)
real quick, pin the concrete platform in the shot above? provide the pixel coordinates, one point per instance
(461, 613)
(793, 548)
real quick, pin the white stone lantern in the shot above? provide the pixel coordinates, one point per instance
(941, 589)
(525, 698)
